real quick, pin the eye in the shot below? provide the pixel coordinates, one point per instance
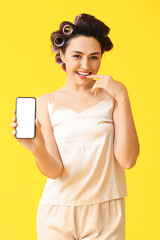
(95, 57)
(76, 56)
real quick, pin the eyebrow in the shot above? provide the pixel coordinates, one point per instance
(83, 53)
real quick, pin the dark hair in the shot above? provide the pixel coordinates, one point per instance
(84, 24)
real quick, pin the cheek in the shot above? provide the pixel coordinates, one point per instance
(96, 65)
(72, 64)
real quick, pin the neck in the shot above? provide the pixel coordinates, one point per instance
(76, 87)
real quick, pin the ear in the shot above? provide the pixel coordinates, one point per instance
(61, 55)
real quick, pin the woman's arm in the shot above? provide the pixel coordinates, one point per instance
(48, 159)
(48, 165)
(126, 144)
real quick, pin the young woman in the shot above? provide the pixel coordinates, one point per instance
(85, 139)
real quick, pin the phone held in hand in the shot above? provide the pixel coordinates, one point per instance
(26, 117)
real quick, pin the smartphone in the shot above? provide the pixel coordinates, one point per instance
(26, 117)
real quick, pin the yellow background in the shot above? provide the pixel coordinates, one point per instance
(28, 69)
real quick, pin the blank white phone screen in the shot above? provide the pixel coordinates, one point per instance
(25, 116)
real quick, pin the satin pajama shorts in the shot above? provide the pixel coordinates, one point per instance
(100, 221)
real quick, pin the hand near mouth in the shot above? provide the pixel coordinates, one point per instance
(114, 88)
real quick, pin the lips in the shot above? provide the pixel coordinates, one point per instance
(83, 73)
(82, 76)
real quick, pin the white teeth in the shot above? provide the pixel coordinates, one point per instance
(83, 73)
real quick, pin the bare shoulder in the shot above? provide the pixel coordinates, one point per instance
(41, 104)
(42, 98)
(59, 96)
(55, 93)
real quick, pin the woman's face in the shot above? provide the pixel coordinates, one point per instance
(83, 54)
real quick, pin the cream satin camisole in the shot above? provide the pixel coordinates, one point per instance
(85, 142)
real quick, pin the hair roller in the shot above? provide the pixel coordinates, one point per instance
(67, 29)
(55, 49)
(58, 41)
(58, 60)
(77, 18)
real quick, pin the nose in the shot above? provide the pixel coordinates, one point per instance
(85, 63)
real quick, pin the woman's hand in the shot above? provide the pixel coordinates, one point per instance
(114, 88)
(35, 145)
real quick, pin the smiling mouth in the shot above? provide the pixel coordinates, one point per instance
(83, 74)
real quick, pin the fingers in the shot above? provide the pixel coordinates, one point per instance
(95, 92)
(14, 124)
(95, 76)
(14, 133)
(14, 118)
